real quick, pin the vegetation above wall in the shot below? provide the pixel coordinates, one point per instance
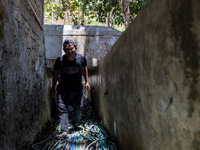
(111, 13)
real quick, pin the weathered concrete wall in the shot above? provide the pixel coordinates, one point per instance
(23, 107)
(92, 41)
(146, 89)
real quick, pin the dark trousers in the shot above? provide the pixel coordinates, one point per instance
(68, 98)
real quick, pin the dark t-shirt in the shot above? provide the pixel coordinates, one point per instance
(70, 77)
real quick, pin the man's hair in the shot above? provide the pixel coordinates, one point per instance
(67, 42)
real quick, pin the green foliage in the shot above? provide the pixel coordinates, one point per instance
(88, 11)
(135, 6)
(53, 7)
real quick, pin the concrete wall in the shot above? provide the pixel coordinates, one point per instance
(146, 89)
(92, 41)
(23, 107)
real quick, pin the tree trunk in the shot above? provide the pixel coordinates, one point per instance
(108, 19)
(82, 18)
(125, 11)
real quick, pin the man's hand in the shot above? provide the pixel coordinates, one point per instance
(87, 86)
(85, 75)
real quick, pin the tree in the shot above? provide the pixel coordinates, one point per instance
(130, 9)
(124, 5)
(112, 12)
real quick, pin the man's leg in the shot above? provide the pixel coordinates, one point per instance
(63, 102)
(76, 103)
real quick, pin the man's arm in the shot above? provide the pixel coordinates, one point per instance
(55, 79)
(85, 75)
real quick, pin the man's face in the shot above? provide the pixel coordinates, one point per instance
(69, 50)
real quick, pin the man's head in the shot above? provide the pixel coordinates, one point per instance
(68, 42)
(69, 47)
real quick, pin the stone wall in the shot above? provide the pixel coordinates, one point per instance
(24, 108)
(146, 89)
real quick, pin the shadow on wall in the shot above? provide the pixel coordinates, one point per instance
(53, 50)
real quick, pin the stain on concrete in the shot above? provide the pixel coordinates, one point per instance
(182, 24)
(196, 141)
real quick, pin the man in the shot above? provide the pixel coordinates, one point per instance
(68, 70)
